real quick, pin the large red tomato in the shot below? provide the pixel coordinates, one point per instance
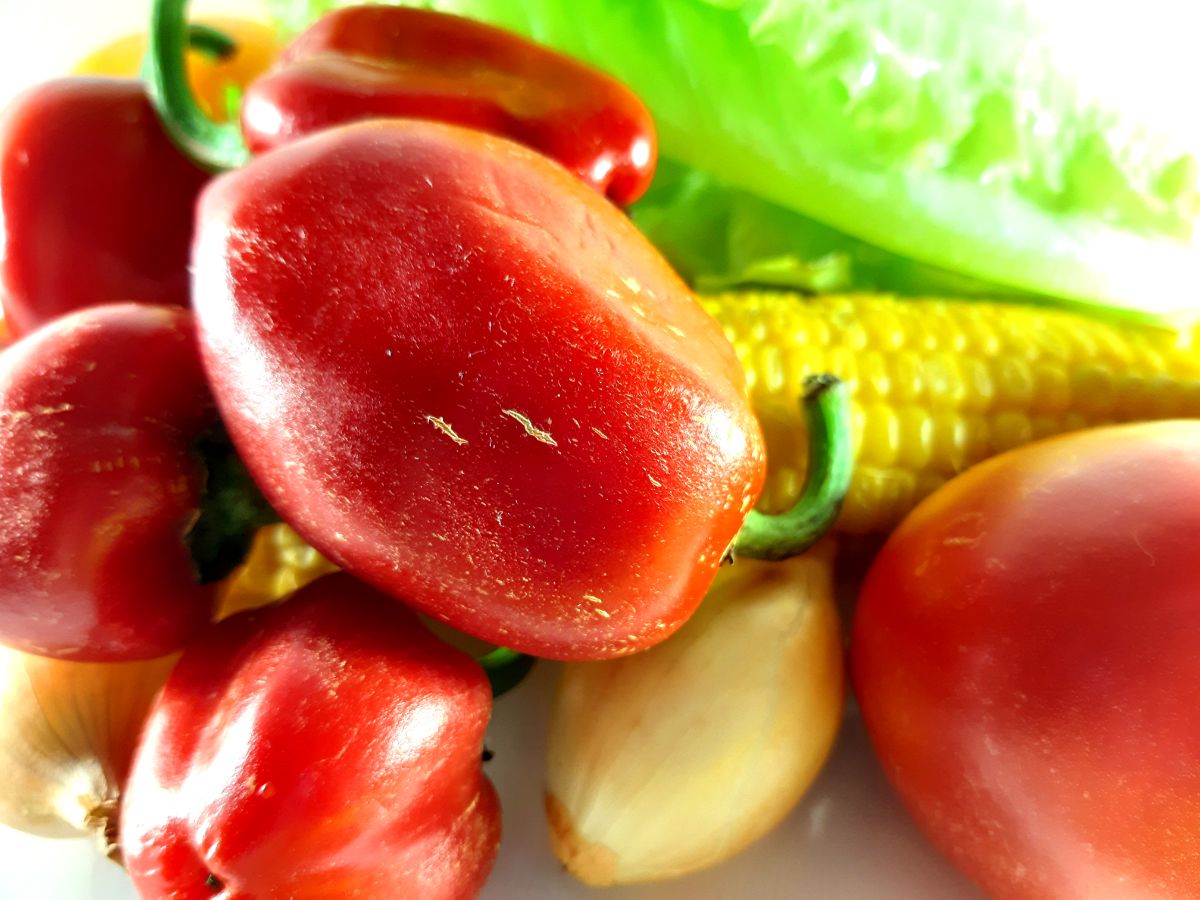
(1026, 653)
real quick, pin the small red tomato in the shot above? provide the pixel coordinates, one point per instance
(1025, 652)
(367, 62)
(329, 747)
(95, 202)
(98, 484)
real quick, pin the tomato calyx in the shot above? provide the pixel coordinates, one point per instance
(231, 509)
(826, 406)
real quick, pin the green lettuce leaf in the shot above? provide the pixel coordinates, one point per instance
(719, 238)
(293, 16)
(1038, 144)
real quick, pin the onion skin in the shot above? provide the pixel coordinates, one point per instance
(67, 735)
(675, 759)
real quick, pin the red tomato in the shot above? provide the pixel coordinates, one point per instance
(369, 62)
(95, 202)
(466, 378)
(99, 414)
(326, 748)
(1026, 653)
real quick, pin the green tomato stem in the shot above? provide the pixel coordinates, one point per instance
(210, 43)
(214, 44)
(826, 407)
(212, 145)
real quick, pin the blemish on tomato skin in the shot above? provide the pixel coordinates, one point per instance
(966, 530)
(995, 566)
(538, 434)
(445, 428)
(1137, 540)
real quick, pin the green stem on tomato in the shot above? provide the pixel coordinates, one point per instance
(830, 464)
(212, 145)
(505, 668)
(209, 42)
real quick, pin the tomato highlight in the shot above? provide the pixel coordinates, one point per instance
(98, 414)
(326, 747)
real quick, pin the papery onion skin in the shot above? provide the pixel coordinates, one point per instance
(67, 736)
(675, 759)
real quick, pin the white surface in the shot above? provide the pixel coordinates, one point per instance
(848, 841)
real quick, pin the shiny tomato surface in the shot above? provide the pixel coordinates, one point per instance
(465, 377)
(368, 62)
(95, 202)
(99, 411)
(326, 748)
(1026, 653)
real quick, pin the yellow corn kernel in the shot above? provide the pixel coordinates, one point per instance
(942, 384)
(279, 562)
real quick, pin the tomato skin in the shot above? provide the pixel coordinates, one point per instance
(98, 411)
(326, 747)
(1025, 655)
(365, 62)
(466, 378)
(95, 202)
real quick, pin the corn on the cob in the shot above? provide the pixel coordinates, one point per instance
(939, 385)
